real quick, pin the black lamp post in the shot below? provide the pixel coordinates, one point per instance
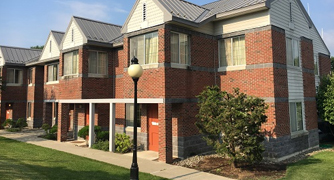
(135, 71)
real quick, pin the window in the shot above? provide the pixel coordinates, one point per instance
(30, 75)
(179, 48)
(71, 63)
(296, 116)
(52, 72)
(292, 49)
(316, 65)
(129, 115)
(232, 51)
(97, 62)
(145, 48)
(144, 12)
(14, 76)
(29, 109)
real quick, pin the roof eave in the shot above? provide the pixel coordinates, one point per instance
(242, 11)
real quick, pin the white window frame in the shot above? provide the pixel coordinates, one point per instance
(20, 79)
(72, 64)
(97, 63)
(316, 65)
(294, 43)
(303, 127)
(223, 51)
(179, 49)
(48, 73)
(134, 50)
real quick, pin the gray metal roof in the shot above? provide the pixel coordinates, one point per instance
(58, 36)
(16, 55)
(229, 5)
(98, 31)
(184, 9)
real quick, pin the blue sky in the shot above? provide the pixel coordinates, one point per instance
(26, 23)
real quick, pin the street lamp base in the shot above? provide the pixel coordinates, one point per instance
(134, 172)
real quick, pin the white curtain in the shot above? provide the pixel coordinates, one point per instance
(102, 63)
(174, 48)
(184, 49)
(151, 45)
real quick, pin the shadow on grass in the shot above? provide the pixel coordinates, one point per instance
(306, 162)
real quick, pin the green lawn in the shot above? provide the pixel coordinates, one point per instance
(20, 160)
(316, 167)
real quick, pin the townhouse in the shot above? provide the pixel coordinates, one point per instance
(267, 48)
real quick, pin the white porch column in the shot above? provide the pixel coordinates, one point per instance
(112, 127)
(91, 124)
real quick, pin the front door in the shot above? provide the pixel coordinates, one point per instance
(9, 111)
(153, 128)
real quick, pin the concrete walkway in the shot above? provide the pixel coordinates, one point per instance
(145, 165)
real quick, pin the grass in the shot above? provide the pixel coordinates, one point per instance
(20, 160)
(319, 166)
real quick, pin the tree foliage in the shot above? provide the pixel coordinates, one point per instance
(37, 47)
(325, 98)
(231, 123)
(332, 63)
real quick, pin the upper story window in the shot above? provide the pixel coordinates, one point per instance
(97, 62)
(144, 12)
(179, 48)
(292, 52)
(145, 48)
(232, 51)
(71, 63)
(296, 116)
(14, 76)
(53, 72)
(316, 65)
(30, 76)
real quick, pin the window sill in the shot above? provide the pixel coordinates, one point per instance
(70, 76)
(30, 84)
(97, 75)
(52, 82)
(179, 66)
(232, 68)
(130, 129)
(150, 66)
(298, 134)
(13, 84)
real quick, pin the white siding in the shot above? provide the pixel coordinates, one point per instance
(280, 17)
(2, 60)
(295, 84)
(249, 21)
(154, 16)
(78, 38)
(54, 49)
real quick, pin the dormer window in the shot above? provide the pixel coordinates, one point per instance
(144, 12)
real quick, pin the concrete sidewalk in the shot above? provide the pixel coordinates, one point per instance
(145, 165)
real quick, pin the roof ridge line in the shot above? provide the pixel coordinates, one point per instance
(57, 31)
(96, 21)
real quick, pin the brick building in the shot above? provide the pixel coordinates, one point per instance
(267, 48)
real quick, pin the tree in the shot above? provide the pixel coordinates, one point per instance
(325, 99)
(37, 47)
(231, 123)
(332, 63)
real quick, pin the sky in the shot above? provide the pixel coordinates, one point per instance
(26, 23)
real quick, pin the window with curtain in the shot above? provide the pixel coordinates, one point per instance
(232, 51)
(316, 65)
(53, 72)
(14, 76)
(71, 63)
(130, 115)
(145, 48)
(97, 62)
(292, 50)
(179, 48)
(296, 116)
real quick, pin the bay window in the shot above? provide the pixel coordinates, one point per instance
(71, 63)
(179, 48)
(97, 62)
(232, 51)
(145, 48)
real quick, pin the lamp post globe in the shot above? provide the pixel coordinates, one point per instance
(135, 71)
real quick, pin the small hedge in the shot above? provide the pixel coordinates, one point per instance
(123, 143)
(50, 132)
(12, 125)
(101, 145)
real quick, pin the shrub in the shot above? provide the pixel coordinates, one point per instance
(21, 123)
(101, 145)
(102, 136)
(54, 129)
(46, 127)
(83, 132)
(122, 143)
(232, 123)
(8, 123)
(51, 132)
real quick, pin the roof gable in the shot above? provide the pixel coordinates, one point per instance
(51, 48)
